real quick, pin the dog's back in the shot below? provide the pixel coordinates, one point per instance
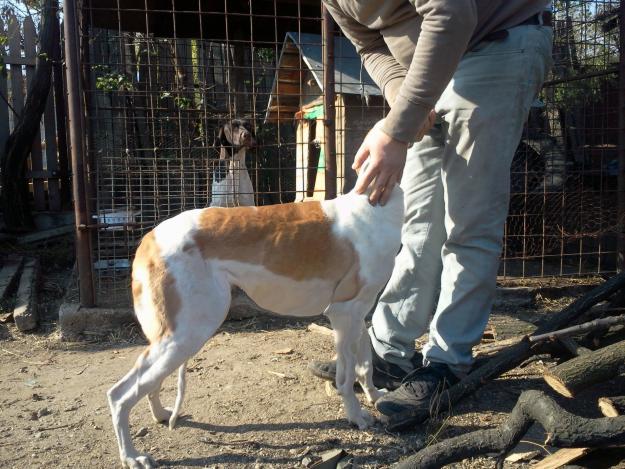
(293, 259)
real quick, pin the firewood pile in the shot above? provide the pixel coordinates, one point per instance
(588, 340)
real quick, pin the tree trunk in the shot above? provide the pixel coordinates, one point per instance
(15, 195)
(574, 375)
(563, 430)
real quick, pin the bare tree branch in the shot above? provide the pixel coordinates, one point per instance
(563, 429)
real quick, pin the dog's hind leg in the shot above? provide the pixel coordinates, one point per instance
(162, 414)
(151, 368)
(182, 384)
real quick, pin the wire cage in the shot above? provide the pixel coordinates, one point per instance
(564, 214)
(160, 78)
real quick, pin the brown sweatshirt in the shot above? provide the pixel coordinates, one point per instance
(411, 48)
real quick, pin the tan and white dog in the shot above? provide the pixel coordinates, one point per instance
(232, 186)
(332, 257)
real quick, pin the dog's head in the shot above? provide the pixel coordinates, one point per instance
(236, 134)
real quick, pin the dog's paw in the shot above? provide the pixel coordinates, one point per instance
(142, 461)
(163, 415)
(375, 394)
(364, 420)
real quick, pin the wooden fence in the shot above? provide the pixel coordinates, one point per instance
(48, 171)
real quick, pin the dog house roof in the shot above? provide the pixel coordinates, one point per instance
(301, 57)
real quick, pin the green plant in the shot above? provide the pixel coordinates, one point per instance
(111, 81)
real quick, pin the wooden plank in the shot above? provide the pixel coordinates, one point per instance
(61, 116)
(52, 163)
(17, 82)
(44, 235)
(17, 60)
(36, 156)
(43, 174)
(301, 159)
(561, 458)
(25, 312)
(9, 274)
(4, 108)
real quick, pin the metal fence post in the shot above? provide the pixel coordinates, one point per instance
(621, 142)
(329, 113)
(76, 137)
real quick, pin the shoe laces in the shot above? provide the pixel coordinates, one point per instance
(430, 373)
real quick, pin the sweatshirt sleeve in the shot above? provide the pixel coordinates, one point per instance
(446, 30)
(386, 72)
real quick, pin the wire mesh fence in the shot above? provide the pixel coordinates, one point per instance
(161, 79)
(564, 216)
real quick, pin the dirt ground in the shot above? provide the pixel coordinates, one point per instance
(250, 400)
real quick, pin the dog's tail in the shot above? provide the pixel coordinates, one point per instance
(182, 384)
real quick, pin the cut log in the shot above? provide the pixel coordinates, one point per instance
(612, 406)
(573, 347)
(562, 428)
(568, 455)
(574, 375)
(603, 323)
(511, 357)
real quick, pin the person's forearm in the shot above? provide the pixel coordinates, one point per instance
(384, 69)
(445, 33)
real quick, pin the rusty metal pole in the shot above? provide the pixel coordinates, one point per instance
(76, 135)
(329, 113)
(621, 142)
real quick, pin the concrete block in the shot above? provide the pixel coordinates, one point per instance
(76, 321)
(242, 307)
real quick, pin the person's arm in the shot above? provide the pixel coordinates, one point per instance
(446, 30)
(386, 72)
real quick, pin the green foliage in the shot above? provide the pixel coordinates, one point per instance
(266, 54)
(584, 47)
(107, 80)
(182, 102)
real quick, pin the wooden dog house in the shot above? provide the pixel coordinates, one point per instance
(297, 94)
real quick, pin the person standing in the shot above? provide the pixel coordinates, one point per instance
(459, 77)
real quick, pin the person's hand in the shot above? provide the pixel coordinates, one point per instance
(387, 158)
(429, 123)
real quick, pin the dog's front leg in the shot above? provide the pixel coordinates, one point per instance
(364, 368)
(347, 337)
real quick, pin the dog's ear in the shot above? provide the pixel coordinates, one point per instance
(223, 141)
(249, 128)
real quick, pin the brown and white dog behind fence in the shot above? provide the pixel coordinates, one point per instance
(232, 186)
(297, 259)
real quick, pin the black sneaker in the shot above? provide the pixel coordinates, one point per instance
(385, 375)
(418, 397)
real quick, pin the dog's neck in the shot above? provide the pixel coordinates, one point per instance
(233, 153)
